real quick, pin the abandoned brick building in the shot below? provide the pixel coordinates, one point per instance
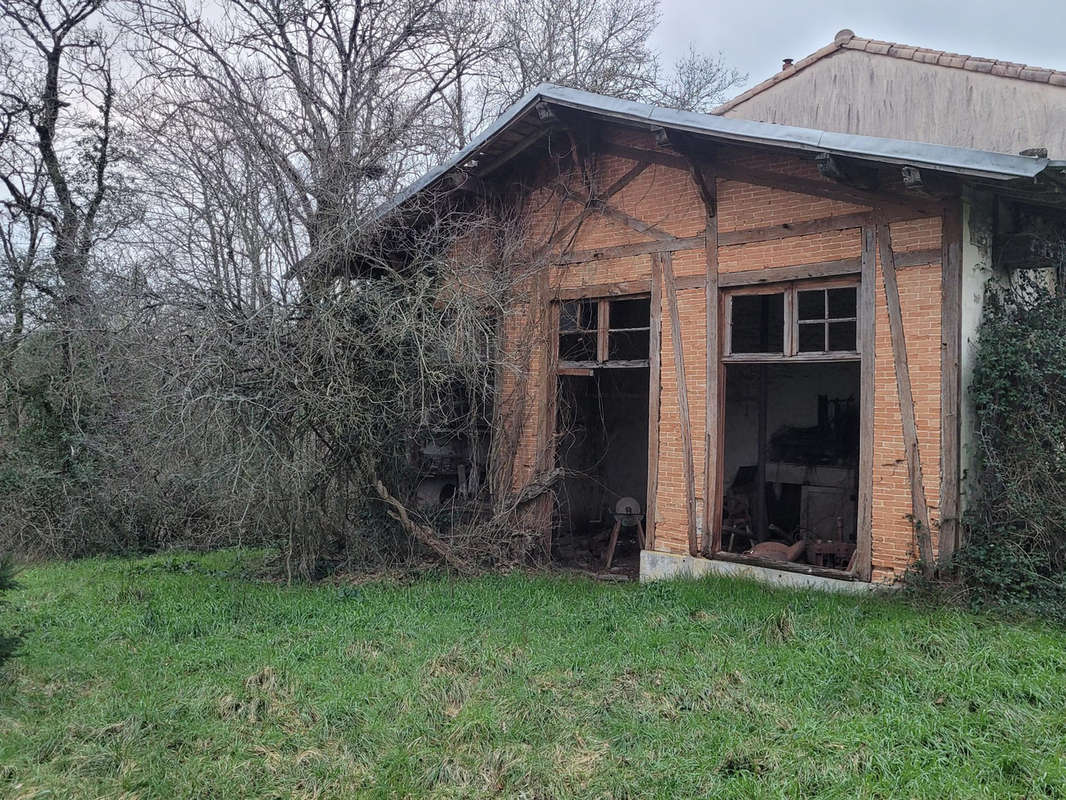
(753, 333)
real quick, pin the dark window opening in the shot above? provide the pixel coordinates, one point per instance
(790, 457)
(603, 332)
(757, 323)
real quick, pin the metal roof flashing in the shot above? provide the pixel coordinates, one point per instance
(974, 163)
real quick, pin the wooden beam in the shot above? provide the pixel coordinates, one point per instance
(830, 191)
(575, 222)
(891, 203)
(950, 381)
(687, 461)
(819, 269)
(867, 403)
(516, 150)
(603, 320)
(637, 224)
(789, 229)
(918, 258)
(786, 566)
(626, 250)
(654, 396)
(715, 398)
(919, 507)
(605, 208)
(603, 290)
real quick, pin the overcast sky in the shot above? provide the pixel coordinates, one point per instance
(755, 35)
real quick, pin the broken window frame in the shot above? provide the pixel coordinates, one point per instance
(603, 333)
(790, 349)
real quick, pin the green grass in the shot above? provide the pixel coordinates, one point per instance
(176, 676)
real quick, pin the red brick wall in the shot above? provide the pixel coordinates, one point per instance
(667, 198)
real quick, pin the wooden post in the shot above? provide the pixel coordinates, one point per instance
(654, 392)
(863, 560)
(713, 452)
(687, 461)
(950, 380)
(919, 507)
(761, 521)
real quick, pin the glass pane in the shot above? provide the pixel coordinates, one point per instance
(577, 347)
(842, 303)
(568, 316)
(629, 346)
(812, 337)
(630, 314)
(812, 304)
(842, 336)
(758, 323)
(589, 313)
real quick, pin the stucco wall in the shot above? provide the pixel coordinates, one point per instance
(857, 92)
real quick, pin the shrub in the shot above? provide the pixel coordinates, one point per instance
(1015, 555)
(7, 581)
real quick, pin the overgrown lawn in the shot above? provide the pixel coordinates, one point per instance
(179, 676)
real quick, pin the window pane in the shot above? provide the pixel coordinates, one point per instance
(589, 313)
(812, 304)
(812, 337)
(842, 336)
(630, 313)
(568, 318)
(758, 323)
(842, 302)
(629, 346)
(577, 347)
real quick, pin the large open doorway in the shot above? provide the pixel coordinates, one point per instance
(602, 434)
(791, 427)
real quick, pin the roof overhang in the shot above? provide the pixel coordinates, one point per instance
(985, 167)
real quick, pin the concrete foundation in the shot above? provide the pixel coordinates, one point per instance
(656, 566)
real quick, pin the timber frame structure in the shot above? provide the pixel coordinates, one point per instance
(623, 200)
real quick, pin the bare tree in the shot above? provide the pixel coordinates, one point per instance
(57, 63)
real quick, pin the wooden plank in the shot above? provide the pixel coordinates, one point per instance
(626, 250)
(687, 461)
(654, 394)
(950, 381)
(819, 269)
(919, 507)
(790, 229)
(786, 566)
(867, 398)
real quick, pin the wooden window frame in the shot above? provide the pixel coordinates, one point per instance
(603, 332)
(790, 348)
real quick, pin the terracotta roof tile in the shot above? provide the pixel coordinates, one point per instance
(846, 39)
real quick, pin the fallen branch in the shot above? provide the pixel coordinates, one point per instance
(422, 533)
